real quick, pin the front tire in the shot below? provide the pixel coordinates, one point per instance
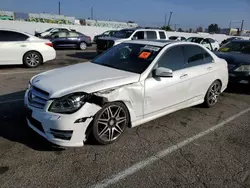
(32, 59)
(213, 94)
(110, 123)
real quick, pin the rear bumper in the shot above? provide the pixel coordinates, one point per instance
(49, 55)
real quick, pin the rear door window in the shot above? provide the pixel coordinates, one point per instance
(195, 56)
(151, 35)
(11, 36)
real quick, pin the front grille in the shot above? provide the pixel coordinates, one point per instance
(37, 97)
(104, 44)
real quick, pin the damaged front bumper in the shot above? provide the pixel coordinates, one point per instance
(68, 130)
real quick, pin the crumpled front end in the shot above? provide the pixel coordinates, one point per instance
(70, 130)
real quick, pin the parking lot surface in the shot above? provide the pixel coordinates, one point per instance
(194, 147)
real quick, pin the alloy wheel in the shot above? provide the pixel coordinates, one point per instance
(83, 46)
(214, 93)
(111, 123)
(32, 59)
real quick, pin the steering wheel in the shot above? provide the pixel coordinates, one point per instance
(124, 52)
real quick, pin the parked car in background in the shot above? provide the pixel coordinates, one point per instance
(18, 47)
(132, 83)
(237, 55)
(230, 39)
(240, 46)
(70, 39)
(129, 34)
(209, 43)
(109, 33)
(177, 38)
(50, 31)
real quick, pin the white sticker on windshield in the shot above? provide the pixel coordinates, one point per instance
(151, 48)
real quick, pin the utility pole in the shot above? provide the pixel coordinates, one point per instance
(59, 8)
(92, 13)
(242, 24)
(165, 23)
(230, 24)
(169, 18)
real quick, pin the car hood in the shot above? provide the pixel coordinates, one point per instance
(84, 77)
(234, 57)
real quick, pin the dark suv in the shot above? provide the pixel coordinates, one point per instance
(109, 33)
(70, 39)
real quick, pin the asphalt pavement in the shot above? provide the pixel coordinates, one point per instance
(194, 147)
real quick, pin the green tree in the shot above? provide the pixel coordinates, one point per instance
(166, 28)
(213, 28)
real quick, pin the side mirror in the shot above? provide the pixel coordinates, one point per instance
(56, 37)
(162, 72)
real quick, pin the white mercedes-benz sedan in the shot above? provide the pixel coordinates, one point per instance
(18, 47)
(128, 85)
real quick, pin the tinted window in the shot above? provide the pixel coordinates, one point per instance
(139, 34)
(195, 55)
(211, 40)
(63, 30)
(125, 33)
(128, 57)
(151, 35)
(173, 38)
(173, 59)
(12, 36)
(73, 34)
(236, 46)
(194, 39)
(59, 35)
(162, 35)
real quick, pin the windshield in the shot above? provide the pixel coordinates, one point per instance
(194, 39)
(234, 46)
(123, 33)
(48, 30)
(129, 57)
(173, 38)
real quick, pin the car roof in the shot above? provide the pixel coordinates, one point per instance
(141, 29)
(159, 43)
(241, 41)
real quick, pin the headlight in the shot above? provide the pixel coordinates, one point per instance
(243, 68)
(68, 104)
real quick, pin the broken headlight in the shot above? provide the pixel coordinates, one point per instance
(68, 104)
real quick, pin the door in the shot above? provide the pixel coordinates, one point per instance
(200, 66)
(59, 39)
(13, 45)
(161, 93)
(73, 39)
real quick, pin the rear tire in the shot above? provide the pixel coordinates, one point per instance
(213, 94)
(82, 46)
(32, 59)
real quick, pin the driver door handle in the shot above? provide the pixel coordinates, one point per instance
(183, 76)
(209, 68)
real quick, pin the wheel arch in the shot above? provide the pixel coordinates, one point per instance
(32, 51)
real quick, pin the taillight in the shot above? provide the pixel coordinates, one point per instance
(89, 38)
(49, 44)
